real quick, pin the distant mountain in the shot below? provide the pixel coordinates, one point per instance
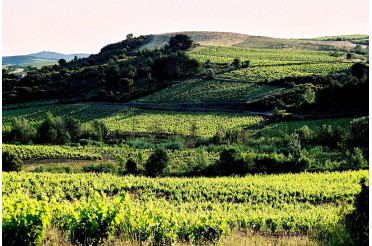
(56, 56)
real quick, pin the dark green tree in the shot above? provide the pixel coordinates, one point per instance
(180, 42)
(157, 162)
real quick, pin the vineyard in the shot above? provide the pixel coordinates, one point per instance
(199, 90)
(36, 115)
(282, 128)
(269, 73)
(140, 121)
(261, 57)
(172, 209)
(48, 152)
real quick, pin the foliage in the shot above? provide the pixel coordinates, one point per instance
(231, 162)
(180, 42)
(11, 162)
(358, 221)
(22, 131)
(131, 167)
(24, 221)
(157, 162)
(103, 167)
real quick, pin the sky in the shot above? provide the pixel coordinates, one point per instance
(85, 26)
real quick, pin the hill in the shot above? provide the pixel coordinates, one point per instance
(44, 58)
(24, 61)
(56, 56)
(205, 38)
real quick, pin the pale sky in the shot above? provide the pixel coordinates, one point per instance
(85, 26)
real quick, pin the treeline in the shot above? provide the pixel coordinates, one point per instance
(54, 130)
(119, 72)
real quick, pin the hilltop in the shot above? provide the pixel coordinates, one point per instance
(206, 38)
(56, 56)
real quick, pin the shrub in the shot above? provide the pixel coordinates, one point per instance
(157, 162)
(131, 167)
(231, 162)
(210, 74)
(11, 162)
(104, 167)
(359, 132)
(357, 159)
(42, 169)
(201, 162)
(305, 134)
(84, 142)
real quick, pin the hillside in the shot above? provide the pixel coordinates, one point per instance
(56, 56)
(205, 38)
(44, 58)
(24, 61)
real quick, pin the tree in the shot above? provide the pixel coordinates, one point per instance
(231, 162)
(175, 65)
(11, 162)
(46, 133)
(100, 130)
(157, 162)
(22, 131)
(359, 132)
(73, 127)
(236, 63)
(129, 36)
(180, 42)
(62, 62)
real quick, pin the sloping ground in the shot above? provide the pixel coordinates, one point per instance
(242, 40)
(23, 61)
(203, 38)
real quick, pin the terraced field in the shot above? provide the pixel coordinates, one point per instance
(201, 90)
(260, 57)
(258, 74)
(139, 121)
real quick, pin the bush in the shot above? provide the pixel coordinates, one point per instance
(357, 159)
(131, 167)
(359, 132)
(305, 134)
(358, 221)
(11, 162)
(104, 167)
(84, 142)
(231, 162)
(210, 74)
(157, 162)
